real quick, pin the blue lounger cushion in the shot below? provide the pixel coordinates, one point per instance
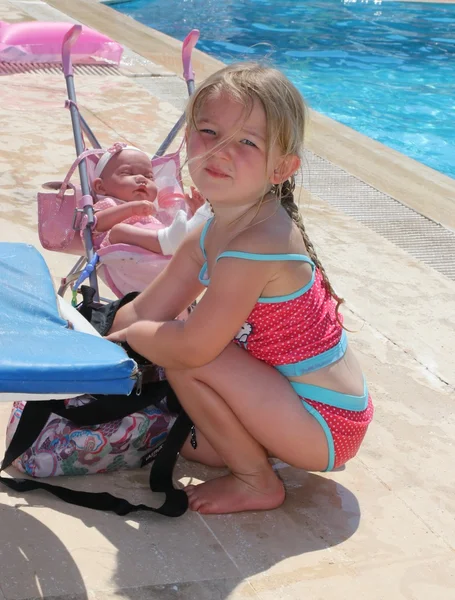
(38, 352)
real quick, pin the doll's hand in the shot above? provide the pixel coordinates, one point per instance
(194, 201)
(142, 208)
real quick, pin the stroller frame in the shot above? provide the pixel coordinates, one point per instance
(75, 362)
(85, 266)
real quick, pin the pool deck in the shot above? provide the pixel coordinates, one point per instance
(381, 529)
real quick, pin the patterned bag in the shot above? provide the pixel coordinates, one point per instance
(64, 448)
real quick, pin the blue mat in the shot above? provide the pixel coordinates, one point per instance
(38, 353)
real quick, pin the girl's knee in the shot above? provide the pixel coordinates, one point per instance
(178, 375)
(190, 373)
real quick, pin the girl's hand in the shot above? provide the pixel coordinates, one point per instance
(118, 336)
(194, 201)
(139, 336)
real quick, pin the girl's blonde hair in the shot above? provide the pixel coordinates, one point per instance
(286, 115)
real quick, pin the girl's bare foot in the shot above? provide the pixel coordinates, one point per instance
(236, 493)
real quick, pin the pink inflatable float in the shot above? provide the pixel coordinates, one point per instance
(35, 41)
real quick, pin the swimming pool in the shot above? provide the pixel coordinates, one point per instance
(385, 69)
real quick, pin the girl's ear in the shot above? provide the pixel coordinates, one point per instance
(98, 186)
(284, 168)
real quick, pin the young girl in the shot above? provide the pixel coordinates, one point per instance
(126, 190)
(262, 365)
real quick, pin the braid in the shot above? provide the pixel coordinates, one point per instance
(285, 193)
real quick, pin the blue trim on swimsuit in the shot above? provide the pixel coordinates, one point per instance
(308, 365)
(203, 234)
(259, 257)
(328, 434)
(282, 257)
(331, 397)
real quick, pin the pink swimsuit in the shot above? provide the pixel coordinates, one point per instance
(297, 334)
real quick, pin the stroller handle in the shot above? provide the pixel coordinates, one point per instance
(69, 40)
(187, 48)
(188, 45)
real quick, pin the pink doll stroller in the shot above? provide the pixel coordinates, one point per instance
(66, 214)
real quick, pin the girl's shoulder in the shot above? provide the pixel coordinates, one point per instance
(275, 235)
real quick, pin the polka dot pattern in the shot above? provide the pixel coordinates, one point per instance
(348, 428)
(282, 333)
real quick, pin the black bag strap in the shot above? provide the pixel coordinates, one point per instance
(101, 316)
(34, 418)
(116, 406)
(31, 423)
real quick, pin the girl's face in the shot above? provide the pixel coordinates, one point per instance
(227, 152)
(128, 176)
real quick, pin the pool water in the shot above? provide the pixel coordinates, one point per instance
(385, 69)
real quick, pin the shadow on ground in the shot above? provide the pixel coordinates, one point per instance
(145, 556)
